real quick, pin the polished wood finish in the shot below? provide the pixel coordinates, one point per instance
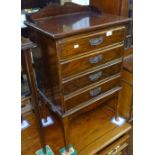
(81, 80)
(91, 92)
(128, 52)
(126, 95)
(74, 41)
(90, 61)
(118, 147)
(74, 21)
(29, 6)
(58, 10)
(101, 131)
(68, 46)
(26, 44)
(25, 47)
(128, 63)
(112, 7)
(118, 7)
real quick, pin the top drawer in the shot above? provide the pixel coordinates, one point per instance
(83, 43)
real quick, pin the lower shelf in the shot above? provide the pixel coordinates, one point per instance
(94, 131)
(90, 133)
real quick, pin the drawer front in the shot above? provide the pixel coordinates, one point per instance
(87, 42)
(93, 92)
(89, 61)
(116, 148)
(81, 81)
(93, 104)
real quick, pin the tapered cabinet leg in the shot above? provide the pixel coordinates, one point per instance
(116, 110)
(65, 122)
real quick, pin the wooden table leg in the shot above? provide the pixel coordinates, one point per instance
(33, 88)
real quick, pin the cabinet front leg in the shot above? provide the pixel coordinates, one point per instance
(116, 110)
(65, 122)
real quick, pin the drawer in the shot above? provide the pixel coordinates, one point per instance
(82, 80)
(80, 64)
(82, 44)
(91, 92)
(116, 148)
(96, 103)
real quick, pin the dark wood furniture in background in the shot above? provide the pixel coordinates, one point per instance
(126, 95)
(117, 7)
(33, 4)
(28, 66)
(28, 4)
(25, 92)
(78, 72)
(121, 8)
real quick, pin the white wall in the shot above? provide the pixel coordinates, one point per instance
(82, 2)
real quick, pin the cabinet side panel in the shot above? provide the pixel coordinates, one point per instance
(47, 70)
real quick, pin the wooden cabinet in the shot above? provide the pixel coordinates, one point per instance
(126, 95)
(91, 133)
(118, 147)
(79, 65)
(117, 7)
(121, 8)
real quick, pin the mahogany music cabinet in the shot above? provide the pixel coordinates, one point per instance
(78, 68)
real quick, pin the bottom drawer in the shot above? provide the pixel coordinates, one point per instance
(90, 93)
(116, 148)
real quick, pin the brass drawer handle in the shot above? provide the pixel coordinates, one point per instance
(95, 76)
(114, 151)
(96, 59)
(96, 41)
(95, 92)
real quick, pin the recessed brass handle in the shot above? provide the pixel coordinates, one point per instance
(114, 151)
(96, 41)
(95, 76)
(96, 59)
(95, 92)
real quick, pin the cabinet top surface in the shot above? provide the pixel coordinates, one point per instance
(81, 19)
